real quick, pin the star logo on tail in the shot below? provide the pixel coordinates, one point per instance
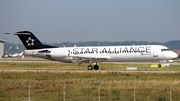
(30, 41)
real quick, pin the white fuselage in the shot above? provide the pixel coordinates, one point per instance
(105, 53)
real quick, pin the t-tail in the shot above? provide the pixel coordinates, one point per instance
(30, 41)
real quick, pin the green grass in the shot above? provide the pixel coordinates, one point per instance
(114, 86)
(84, 86)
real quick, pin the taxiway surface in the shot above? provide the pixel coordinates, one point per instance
(49, 70)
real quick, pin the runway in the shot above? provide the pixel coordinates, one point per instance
(56, 70)
(85, 71)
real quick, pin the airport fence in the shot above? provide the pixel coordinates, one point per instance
(88, 90)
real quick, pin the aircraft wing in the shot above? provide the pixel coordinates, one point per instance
(85, 59)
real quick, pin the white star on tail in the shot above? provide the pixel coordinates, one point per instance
(30, 41)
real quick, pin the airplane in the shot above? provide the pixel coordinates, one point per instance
(17, 55)
(13, 55)
(95, 54)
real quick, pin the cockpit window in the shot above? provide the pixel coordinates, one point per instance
(165, 49)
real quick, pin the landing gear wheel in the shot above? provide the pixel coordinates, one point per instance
(90, 67)
(159, 65)
(96, 67)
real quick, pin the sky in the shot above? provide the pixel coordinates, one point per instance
(91, 20)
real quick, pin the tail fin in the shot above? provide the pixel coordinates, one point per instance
(30, 41)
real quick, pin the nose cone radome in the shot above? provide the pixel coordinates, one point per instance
(174, 55)
(171, 55)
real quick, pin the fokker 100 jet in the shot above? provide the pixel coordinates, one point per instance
(94, 54)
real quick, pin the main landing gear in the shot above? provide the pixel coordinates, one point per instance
(95, 67)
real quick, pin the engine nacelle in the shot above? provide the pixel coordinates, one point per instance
(60, 53)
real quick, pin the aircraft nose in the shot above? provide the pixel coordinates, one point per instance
(171, 55)
(174, 55)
